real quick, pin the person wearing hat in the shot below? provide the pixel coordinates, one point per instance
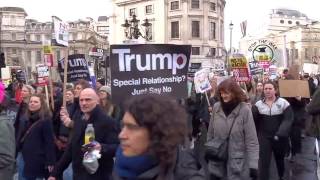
(7, 140)
(100, 83)
(108, 107)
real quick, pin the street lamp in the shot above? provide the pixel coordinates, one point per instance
(230, 50)
(132, 31)
(231, 28)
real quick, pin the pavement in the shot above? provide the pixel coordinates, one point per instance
(304, 166)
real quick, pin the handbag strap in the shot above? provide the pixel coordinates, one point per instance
(28, 131)
(234, 120)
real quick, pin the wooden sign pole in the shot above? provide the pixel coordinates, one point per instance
(65, 73)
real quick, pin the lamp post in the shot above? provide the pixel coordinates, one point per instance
(132, 31)
(230, 49)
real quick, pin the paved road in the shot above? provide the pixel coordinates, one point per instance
(302, 167)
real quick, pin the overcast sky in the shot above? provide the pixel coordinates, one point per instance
(255, 11)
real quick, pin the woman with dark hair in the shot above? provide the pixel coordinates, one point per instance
(232, 121)
(258, 93)
(153, 129)
(37, 141)
(19, 123)
(274, 117)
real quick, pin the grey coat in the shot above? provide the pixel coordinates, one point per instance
(243, 149)
(7, 147)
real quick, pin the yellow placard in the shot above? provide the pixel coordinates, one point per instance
(47, 49)
(238, 62)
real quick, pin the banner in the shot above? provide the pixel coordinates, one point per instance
(201, 81)
(61, 34)
(77, 68)
(43, 75)
(149, 69)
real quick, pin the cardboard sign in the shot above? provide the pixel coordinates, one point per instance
(201, 81)
(149, 69)
(294, 88)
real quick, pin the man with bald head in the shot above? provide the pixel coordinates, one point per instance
(106, 135)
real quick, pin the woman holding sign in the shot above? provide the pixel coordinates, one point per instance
(232, 124)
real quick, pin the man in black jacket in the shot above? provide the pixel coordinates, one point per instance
(106, 135)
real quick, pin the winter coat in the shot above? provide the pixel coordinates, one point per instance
(313, 108)
(7, 148)
(106, 133)
(38, 149)
(20, 120)
(243, 148)
(184, 168)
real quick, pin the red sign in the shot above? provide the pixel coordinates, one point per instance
(241, 74)
(48, 60)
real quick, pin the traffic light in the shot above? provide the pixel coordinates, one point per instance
(2, 61)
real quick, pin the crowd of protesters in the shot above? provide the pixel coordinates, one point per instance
(153, 137)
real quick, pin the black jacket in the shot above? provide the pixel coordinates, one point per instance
(38, 149)
(106, 133)
(276, 120)
(184, 168)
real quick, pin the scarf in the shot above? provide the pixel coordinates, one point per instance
(34, 116)
(228, 107)
(132, 167)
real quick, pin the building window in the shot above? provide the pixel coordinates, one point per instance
(174, 5)
(296, 54)
(281, 21)
(289, 22)
(315, 50)
(14, 51)
(14, 37)
(38, 56)
(47, 37)
(175, 29)
(58, 55)
(29, 55)
(297, 23)
(38, 38)
(195, 50)
(150, 33)
(213, 52)
(28, 37)
(196, 29)
(212, 32)
(149, 9)
(212, 6)
(132, 12)
(306, 53)
(195, 4)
